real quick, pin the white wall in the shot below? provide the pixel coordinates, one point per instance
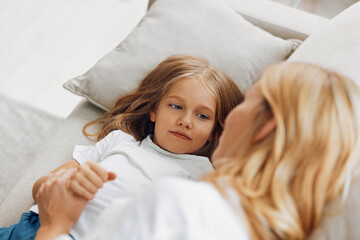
(43, 43)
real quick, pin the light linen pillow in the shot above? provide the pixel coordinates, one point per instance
(198, 27)
(337, 46)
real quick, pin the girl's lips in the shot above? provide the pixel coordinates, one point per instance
(180, 135)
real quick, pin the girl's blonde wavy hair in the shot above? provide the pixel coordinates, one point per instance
(131, 112)
(285, 181)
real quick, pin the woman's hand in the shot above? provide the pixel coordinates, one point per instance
(59, 208)
(89, 178)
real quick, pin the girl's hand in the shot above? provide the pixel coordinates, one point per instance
(59, 208)
(89, 178)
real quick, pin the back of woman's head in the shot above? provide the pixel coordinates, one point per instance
(287, 178)
(131, 112)
(316, 134)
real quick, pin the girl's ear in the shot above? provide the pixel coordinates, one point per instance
(153, 116)
(268, 127)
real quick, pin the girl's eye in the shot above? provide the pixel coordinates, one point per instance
(174, 106)
(203, 116)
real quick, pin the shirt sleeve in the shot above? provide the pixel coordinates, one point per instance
(82, 154)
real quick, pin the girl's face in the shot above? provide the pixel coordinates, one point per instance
(185, 117)
(237, 122)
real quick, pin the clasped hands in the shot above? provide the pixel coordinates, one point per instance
(64, 195)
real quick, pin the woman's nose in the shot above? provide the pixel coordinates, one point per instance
(185, 121)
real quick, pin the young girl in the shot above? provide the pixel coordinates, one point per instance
(168, 126)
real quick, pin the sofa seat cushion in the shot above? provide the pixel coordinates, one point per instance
(56, 150)
(24, 131)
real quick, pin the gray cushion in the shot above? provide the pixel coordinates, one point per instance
(200, 27)
(24, 131)
(337, 46)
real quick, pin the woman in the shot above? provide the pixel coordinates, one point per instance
(285, 152)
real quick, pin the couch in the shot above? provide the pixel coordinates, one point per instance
(240, 36)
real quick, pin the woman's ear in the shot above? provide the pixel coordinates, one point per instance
(153, 116)
(265, 130)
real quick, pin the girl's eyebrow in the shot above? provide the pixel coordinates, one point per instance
(201, 106)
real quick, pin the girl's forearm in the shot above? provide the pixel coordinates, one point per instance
(37, 184)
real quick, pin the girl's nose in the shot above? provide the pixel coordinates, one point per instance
(185, 121)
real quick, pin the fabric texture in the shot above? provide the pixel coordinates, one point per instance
(55, 151)
(174, 208)
(205, 28)
(337, 46)
(24, 130)
(25, 229)
(137, 165)
(279, 19)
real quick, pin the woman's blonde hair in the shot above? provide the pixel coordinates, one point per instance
(131, 112)
(285, 181)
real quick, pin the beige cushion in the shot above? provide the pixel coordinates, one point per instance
(200, 27)
(279, 19)
(337, 47)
